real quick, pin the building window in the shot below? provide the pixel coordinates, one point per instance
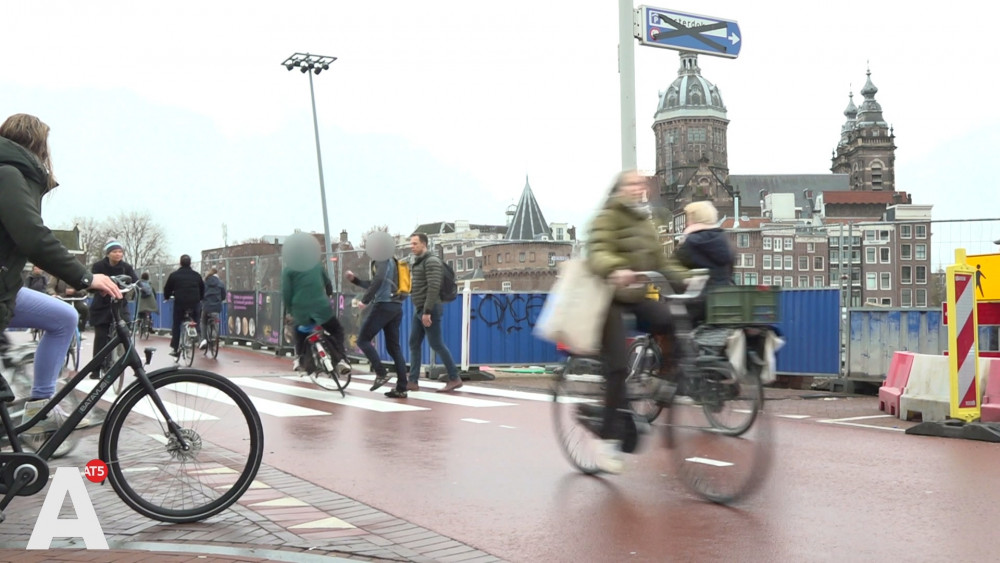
(531, 257)
(520, 257)
(818, 263)
(920, 274)
(457, 265)
(777, 261)
(871, 301)
(906, 274)
(920, 252)
(789, 243)
(743, 240)
(921, 298)
(803, 263)
(906, 252)
(499, 259)
(886, 280)
(803, 281)
(777, 281)
(905, 231)
(810, 247)
(870, 236)
(766, 243)
(906, 298)
(559, 233)
(876, 176)
(766, 280)
(767, 262)
(883, 236)
(505, 286)
(921, 231)
(696, 135)
(855, 277)
(738, 278)
(750, 278)
(746, 260)
(887, 301)
(788, 263)
(469, 265)
(788, 281)
(817, 281)
(883, 255)
(871, 281)
(870, 255)
(506, 256)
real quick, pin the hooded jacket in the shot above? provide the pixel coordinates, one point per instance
(708, 248)
(622, 237)
(23, 234)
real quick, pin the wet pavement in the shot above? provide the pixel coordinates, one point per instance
(477, 476)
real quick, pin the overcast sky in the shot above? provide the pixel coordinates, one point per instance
(437, 110)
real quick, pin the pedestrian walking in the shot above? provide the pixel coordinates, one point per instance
(427, 274)
(187, 289)
(386, 291)
(215, 295)
(113, 264)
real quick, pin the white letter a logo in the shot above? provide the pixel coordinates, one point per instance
(48, 525)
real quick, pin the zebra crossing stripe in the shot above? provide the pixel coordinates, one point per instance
(264, 406)
(326, 396)
(146, 408)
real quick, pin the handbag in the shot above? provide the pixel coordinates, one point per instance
(576, 308)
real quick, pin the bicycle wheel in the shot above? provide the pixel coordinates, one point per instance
(717, 464)
(577, 409)
(144, 328)
(323, 376)
(149, 470)
(731, 400)
(192, 346)
(213, 340)
(641, 385)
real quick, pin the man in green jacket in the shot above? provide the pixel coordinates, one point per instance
(425, 292)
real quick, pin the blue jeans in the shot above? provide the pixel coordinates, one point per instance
(436, 341)
(58, 319)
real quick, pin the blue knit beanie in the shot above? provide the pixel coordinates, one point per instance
(112, 244)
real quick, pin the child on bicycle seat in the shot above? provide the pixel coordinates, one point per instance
(705, 245)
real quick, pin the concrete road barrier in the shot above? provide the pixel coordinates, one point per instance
(928, 389)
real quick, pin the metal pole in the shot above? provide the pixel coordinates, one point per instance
(626, 75)
(322, 191)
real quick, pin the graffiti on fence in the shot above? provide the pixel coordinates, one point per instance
(508, 312)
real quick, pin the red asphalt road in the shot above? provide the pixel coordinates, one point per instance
(835, 492)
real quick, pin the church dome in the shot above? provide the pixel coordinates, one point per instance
(690, 94)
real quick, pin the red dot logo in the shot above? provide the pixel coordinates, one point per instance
(96, 471)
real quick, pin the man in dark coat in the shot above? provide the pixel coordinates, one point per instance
(187, 289)
(113, 264)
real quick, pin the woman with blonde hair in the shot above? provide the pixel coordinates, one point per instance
(26, 176)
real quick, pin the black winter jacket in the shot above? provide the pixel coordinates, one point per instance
(186, 287)
(708, 249)
(23, 234)
(100, 305)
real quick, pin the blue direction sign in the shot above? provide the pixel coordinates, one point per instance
(688, 32)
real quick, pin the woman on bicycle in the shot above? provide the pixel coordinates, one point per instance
(25, 176)
(147, 299)
(624, 240)
(215, 296)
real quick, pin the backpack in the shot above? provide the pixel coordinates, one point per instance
(403, 279)
(449, 289)
(145, 290)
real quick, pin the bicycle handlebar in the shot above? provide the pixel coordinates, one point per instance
(125, 283)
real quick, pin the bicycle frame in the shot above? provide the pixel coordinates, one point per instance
(129, 359)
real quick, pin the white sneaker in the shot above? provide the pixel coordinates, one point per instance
(295, 365)
(53, 421)
(343, 368)
(204, 344)
(610, 457)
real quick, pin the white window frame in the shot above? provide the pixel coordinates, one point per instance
(906, 297)
(819, 260)
(906, 274)
(803, 260)
(916, 275)
(906, 231)
(766, 280)
(803, 281)
(789, 243)
(884, 256)
(742, 240)
(789, 281)
(750, 278)
(920, 252)
(906, 252)
(871, 281)
(885, 281)
(810, 247)
(818, 281)
(505, 286)
(871, 255)
(920, 231)
(766, 243)
(789, 262)
(920, 300)
(766, 264)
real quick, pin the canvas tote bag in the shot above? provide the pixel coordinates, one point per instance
(575, 310)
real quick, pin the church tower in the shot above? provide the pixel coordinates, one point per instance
(867, 149)
(691, 155)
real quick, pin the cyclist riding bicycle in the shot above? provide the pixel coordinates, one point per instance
(215, 295)
(60, 288)
(187, 289)
(147, 304)
(25, 176)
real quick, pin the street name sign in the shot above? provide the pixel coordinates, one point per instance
(657, 27)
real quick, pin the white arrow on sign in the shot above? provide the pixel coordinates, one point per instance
(734, 38)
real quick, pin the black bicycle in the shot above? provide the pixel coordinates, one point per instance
(719, 440)
(145, 325)
(181, 444)
(188, 340)
(212, 335)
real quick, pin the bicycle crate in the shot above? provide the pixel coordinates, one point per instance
(743, 304)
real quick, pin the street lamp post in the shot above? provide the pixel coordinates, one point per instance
(306, 62)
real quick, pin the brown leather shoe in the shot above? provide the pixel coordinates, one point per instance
(450, 386)
(411, 386)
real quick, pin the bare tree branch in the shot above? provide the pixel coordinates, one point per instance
(142, 238)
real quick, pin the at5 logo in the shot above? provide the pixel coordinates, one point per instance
(67, 480)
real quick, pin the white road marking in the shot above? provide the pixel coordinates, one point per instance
(858, 418)
(707, 461)
(475, 420)
(793, 416)
(841, 423)
(510, 427)
(326, 396)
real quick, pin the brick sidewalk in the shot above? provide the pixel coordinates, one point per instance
(269, 523)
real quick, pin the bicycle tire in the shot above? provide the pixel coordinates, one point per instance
(149, 471)
(323, 377)
(578, 431)
(641, 385)
(20, 384)
(716, 464)
(144, 328)
(731, 400)
(212, 335)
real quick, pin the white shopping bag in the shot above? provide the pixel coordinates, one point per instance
(575, 309)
